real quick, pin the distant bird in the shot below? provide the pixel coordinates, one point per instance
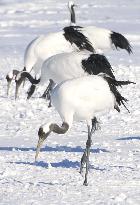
(65, 66)
(80, 99)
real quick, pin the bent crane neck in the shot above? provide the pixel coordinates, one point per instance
(59, 130)
(30, 78)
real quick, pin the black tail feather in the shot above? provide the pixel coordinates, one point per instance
(121, 42)
(117, 108)
(120, 83)
(119, 98)
(96, 64)
(117, 82)
(73, 35)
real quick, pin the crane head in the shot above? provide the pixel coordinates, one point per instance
(18, 80)
(9, 77)
(43, 133)
(71, 4)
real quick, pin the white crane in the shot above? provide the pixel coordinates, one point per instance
(100, 38)
(80, 99)
(65, 66)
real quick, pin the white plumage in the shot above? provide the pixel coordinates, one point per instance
(71, 38)
(65, 66)
(42, 47)
(45, 46)
(99, 37)
(103, 39)
(80, 99)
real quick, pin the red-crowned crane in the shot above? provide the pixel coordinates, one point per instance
(100, 38)
(65, 66)
(80, 99)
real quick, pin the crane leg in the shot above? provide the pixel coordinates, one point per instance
(31, 91)
(47, 92)
(85, 157)
(87, 153)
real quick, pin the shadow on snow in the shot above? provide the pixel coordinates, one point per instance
(52, 149)
(64, 164)
(129, 138)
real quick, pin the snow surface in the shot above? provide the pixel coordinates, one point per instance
(114, 177)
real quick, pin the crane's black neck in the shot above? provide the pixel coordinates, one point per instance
(59, 130)
(30, 78)
(73, 21)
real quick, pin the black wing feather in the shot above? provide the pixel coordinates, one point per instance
(119, 98)
(96, 64)
(121, 42)
(74, 36)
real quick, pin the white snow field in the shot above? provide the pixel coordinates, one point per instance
(114, 177)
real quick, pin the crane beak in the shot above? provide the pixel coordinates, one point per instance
(42, 137)
(8, 86)
(40, 142)
(16, 92)
(31, 91)
(18, 83)
(9, 80)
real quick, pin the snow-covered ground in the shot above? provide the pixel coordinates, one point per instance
(114, 177)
